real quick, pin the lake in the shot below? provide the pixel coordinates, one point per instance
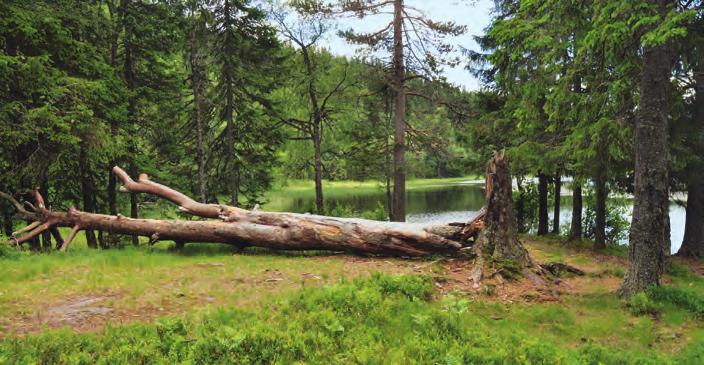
(441, 203)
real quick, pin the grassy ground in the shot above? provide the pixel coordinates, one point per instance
(217, 306)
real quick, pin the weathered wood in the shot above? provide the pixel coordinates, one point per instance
(236, 226)
(498, 238)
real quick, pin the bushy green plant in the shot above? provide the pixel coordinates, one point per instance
(341, 210)
(529, 199)
(642, 304)
(681, 298)
(8, 253)
(378, 213)
(347, 211)
(617, 225)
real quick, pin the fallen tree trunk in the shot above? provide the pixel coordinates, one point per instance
(236, 226)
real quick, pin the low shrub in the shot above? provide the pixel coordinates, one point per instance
(642, 304)
(681, 298)
(379, 320)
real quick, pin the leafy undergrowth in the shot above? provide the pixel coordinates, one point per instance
(206, 305)
(379, 320)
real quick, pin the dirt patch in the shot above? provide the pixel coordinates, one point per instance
(192, 288)
(696, 265)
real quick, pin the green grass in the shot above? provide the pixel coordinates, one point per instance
(260, 306)
(380, 320)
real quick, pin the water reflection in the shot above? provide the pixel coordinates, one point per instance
(450, 203)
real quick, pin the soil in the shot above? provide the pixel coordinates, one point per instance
(94, 311)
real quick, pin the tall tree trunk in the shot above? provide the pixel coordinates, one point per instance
(196, 87)
(693, 242)
(117, 16)
(230, 143)
(233, 183)
(318, 167)
(87, 190)
(520, 205)
(649, 239)
(600, 211)
(542, 204)
(400, 116)
(556, 210)
(388, 162)
(316, 134)
(44, 190)
(130, 79)
(576, 224)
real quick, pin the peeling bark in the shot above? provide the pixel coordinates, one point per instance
(498, 240)
(243, 228)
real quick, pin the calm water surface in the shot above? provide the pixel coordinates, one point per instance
(455, 202)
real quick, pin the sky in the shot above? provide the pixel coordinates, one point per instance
(475, 14)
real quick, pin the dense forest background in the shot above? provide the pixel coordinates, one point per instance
(212, 97)
(224, 98)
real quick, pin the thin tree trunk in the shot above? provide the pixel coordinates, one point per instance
(318, 167)
(388, 166)
(316, 133)
(230, 125)
(87, 191)
(693, 242)
(44, 190)
(556, 210)
(196, 88)
(649, 239)
(400, 116)
(520, 205)
(600, 211)
(117, 16)
(130, 79)
(576, 225)
(542, 204)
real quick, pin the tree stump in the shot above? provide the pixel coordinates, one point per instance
(498, 239)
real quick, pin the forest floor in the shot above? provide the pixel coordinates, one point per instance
(96, 292)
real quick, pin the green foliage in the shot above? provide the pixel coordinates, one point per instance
(643, 304)
(382, 319)
(347, 211)
(681, 298)
(617, 225)
(8, 253)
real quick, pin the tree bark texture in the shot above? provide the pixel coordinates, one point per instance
(576, 224)
(236, 226)
(556, 210)
(600, 212)
(196, 86)
(498, 239)
(520, 205)
(542, 204)
(88, 191)
(650, 227)
(693, 242)
(399, 210)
